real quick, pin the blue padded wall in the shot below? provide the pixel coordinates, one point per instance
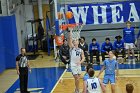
(9, 41)
(10, 37)
(2, 51)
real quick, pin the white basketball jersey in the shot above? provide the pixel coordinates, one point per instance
(93, 85)
(75, 56)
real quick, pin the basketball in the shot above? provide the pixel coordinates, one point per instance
(69, 14)
(60, 15)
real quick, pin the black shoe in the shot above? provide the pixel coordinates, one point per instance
(24, 92)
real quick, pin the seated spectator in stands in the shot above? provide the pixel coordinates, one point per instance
(84, 46)
(129, 88)
(94, 50)
(137, 42)
(119, 46)
(64, 53)
(129, 39)
(106, 47)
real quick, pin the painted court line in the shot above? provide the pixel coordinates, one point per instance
(58, 81)
(30, 90)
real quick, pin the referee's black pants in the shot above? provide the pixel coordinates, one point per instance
(23, 77)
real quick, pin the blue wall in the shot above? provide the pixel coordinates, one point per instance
(8, 42)
(2, 52)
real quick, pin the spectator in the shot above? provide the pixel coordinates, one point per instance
(129, 39)
(64, 53)
(119, 46)
(138, 40)
(129, 88)
(94, 49)
(84, 46)
(106, 47)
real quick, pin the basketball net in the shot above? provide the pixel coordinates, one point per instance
(76, 31)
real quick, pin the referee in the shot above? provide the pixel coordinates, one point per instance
(22, 66)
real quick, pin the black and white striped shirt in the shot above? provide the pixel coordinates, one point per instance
(22, 60)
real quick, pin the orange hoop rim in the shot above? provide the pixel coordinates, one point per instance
(65, 26)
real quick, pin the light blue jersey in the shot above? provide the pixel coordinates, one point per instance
(86, 76)
(110, 66)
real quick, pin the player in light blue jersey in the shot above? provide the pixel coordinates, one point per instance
(111, 70)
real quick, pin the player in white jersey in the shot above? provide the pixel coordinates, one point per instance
(93, 84)
(76, 58)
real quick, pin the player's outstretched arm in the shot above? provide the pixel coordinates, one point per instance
(84, 87)
(70, 38)
(102, 86)
(101, 71)
(82, 57)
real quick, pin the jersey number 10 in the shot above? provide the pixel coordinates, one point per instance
(93, 85)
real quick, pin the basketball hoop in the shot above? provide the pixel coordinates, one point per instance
(64, 27)
(76, 29)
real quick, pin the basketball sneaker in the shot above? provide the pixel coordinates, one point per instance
(76, 91)
(67, 65)
(134, 61)
(129, 61)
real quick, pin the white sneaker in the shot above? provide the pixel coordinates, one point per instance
(67, 65)
(129, 61)
(134, 61)
(77, 91)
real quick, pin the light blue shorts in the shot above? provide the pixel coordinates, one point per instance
(109, 78)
